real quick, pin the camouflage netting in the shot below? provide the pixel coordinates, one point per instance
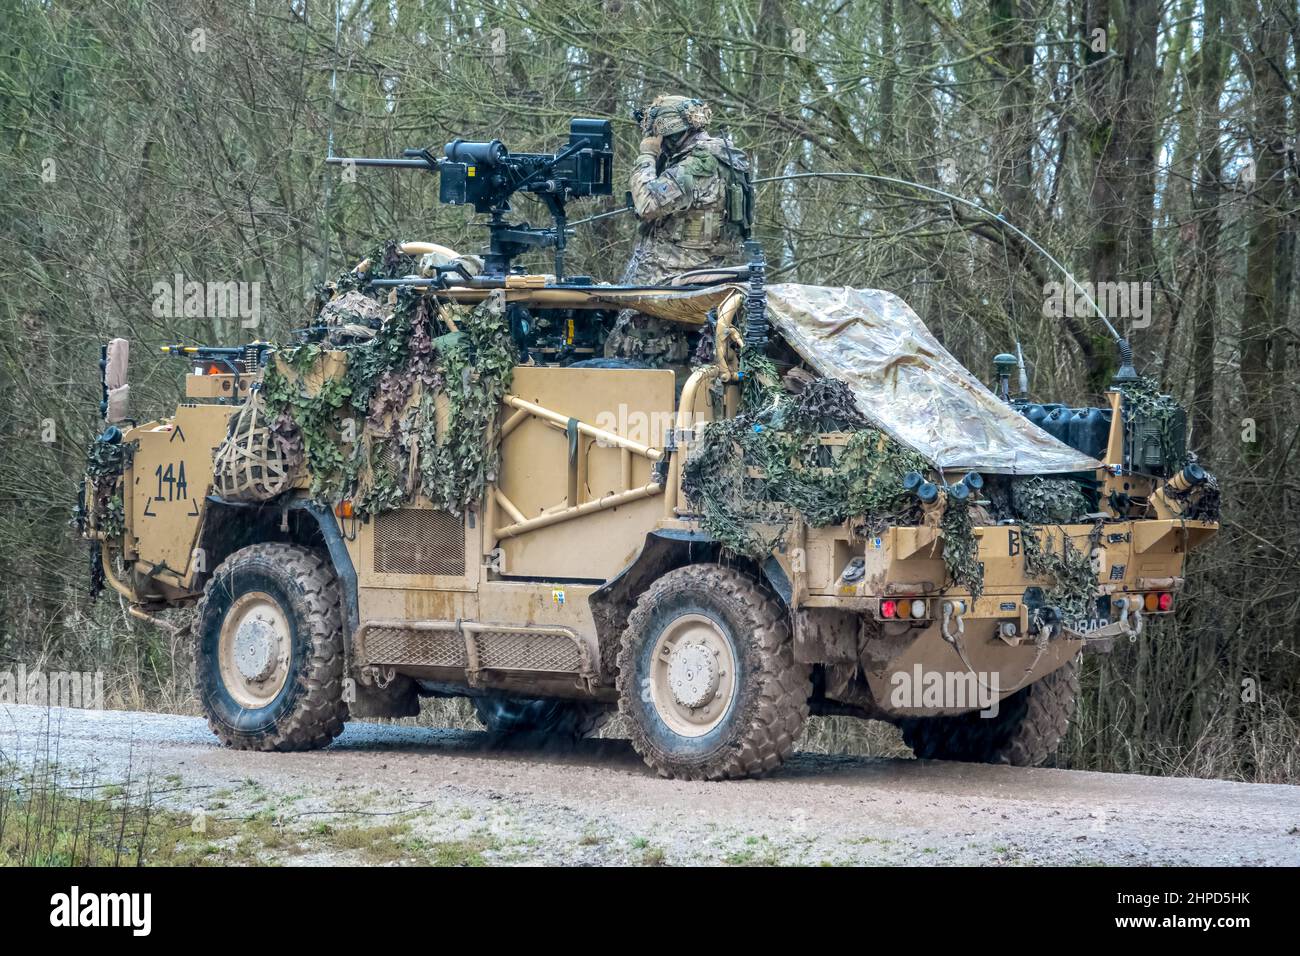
(1073, 580)
(1142, 397)
(746, 470)
(428, 362)
(814, 454)
(105, 464)
(908, 384)
(413, 408)
(961, 548)
(385, 262)
(1047, 500)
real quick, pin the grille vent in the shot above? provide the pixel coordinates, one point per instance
(528, 652)
(419, 541)
(397, 645)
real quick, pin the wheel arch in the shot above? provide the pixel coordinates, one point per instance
(665, 550)
(229, 526)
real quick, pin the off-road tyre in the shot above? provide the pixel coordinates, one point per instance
(308, 711)
(1026, 732)
(768, 699)
(508, 716)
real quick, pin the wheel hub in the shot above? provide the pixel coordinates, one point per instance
(693, 674)
(255, 649)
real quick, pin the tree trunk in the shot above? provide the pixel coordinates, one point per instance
(1260, 320)
(1205, 204)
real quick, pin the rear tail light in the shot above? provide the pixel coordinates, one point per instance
(901, 609)
(1154, 601)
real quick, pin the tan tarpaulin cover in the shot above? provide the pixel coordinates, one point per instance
(910, 385)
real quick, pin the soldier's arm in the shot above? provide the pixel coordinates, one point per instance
(657, 196)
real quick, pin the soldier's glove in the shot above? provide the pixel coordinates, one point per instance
(652, 145)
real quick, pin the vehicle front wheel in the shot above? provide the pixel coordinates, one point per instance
(269, 656)
(707, 676)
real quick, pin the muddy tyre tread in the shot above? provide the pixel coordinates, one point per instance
(776, 716)
(1026, 733)
(320, 712)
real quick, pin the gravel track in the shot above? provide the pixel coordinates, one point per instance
(532, 802)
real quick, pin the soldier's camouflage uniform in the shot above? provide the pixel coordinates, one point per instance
(681, 205)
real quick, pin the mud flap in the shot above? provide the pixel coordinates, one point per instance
(398, 699)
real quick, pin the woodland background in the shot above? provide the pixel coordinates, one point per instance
(1139, 141)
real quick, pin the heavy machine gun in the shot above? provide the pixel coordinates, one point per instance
(486, 174)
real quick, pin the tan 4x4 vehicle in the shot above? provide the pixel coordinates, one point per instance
(620, 539)
(441, 489)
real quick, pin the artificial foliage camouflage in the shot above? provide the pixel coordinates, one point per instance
(475, 372)
(305, 422)
(760, 383)
(101, 505)
(385, 262)
(106, 461)
(1071, 579)
(430, 361)
(961, 548)
(423, 390)
(1142, 397)
(749, 475)
(1039, 500)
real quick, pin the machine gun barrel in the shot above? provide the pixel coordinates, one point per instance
(422, 162)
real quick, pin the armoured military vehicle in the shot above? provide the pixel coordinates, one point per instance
(441, 488)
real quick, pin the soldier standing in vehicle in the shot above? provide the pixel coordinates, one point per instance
(692, 195)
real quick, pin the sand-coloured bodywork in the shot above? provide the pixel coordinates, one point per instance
(525, 578)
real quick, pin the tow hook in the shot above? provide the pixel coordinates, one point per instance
(953, 610)
(1048, 621)
(1126, 606)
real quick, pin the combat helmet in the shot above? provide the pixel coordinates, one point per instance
(668, 115)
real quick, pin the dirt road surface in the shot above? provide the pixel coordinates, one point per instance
(530, 802)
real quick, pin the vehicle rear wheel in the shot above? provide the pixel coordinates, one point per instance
(516, 715)
(1025, 733)
(707, 676)
(269, 657)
